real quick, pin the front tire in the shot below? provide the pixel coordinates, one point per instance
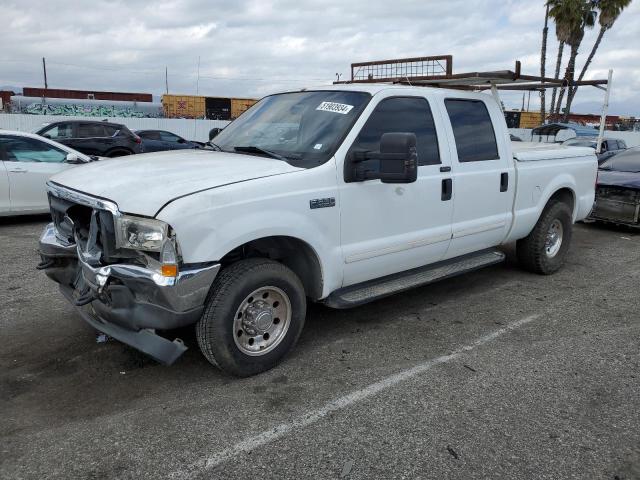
(253, 317)
(544, 250)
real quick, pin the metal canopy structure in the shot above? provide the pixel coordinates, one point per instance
(437, 71)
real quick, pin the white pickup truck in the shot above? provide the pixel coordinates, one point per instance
(340, 195)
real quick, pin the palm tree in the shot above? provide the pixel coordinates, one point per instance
(543, 61)
(610, 10)
(571, 18)
(556, 74)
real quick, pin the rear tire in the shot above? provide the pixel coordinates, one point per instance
(544, 250)
(253, 317)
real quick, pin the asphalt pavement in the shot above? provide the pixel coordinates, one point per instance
(495, 374)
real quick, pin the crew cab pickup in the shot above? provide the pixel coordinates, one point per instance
(341, 194)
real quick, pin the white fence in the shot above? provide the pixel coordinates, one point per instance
(189, 129)
(632, 139)
(199, 129)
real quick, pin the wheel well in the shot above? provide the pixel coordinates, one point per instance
(296, 254)
(564, 195)
(118, 150)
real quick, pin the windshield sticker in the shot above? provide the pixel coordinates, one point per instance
(317, 146)
(341, 108)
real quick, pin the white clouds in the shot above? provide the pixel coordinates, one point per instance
(282, 44)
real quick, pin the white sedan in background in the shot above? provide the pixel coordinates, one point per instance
(26, 163)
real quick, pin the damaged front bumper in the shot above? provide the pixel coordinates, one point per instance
(128, 302)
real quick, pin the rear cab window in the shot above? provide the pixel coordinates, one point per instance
(472, 129)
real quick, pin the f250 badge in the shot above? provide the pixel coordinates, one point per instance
(322, 203)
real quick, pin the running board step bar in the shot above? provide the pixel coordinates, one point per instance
(355, 295)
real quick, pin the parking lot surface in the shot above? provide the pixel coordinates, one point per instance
(495, 374)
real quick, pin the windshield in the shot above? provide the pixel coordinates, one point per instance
(628, 161)
(302, 128)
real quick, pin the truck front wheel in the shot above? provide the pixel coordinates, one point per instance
(253, 317)
(544, 250)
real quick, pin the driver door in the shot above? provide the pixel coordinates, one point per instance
(30, 163)
(388, 228)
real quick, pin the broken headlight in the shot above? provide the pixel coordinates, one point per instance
(140, 233)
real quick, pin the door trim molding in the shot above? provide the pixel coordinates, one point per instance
(479, 229)
(399, 247)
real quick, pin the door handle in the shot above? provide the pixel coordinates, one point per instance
(445, 169)
(504, 181)
(18, 170)
(447, 189)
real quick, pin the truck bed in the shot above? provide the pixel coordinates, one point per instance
(534, 151)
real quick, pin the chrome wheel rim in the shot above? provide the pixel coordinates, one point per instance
(553, 241)
(262, 320)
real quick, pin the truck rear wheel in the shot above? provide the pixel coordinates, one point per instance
(253, 317)
(544, 250)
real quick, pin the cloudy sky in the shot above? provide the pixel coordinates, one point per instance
(255, 47)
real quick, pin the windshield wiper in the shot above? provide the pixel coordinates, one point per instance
(254, 149)
(218, 147)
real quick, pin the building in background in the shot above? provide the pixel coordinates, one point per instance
(86, 94)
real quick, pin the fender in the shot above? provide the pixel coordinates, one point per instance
(212, 223)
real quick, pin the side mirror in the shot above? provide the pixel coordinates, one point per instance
(73, 159)
(397, 161)
(213, 133)
(181, 140)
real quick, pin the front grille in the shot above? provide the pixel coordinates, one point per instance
(89, 222)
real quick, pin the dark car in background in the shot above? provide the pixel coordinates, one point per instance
(618, 189)
(160, 140)
(609, 147)
(103, 139)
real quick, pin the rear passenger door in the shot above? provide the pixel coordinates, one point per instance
(92, 139)
(483, 175)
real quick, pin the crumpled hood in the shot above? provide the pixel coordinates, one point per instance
(614, 178)
(143, 184)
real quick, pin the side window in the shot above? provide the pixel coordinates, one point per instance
(472, 129)
(62, 130)
(90, 130)
(19, 149)
(169, 137)
(402, 114)
(111, 130)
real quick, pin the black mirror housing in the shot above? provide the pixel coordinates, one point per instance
(397, 160)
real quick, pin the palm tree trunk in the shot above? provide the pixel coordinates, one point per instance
(568, 76)
(572, 93)
(543, 60)
(556, 75)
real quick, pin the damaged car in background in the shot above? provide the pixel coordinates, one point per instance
(618, 190)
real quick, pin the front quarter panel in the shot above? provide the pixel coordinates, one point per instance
(212, 223)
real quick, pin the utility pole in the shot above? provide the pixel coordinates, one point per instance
(44, 69)
(198, 77)
(166, 79)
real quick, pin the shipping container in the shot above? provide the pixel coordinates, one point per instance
(218, 108)
(240, 105)
(183, 106)
(529, 119)
(87, 94)
(519, 119)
